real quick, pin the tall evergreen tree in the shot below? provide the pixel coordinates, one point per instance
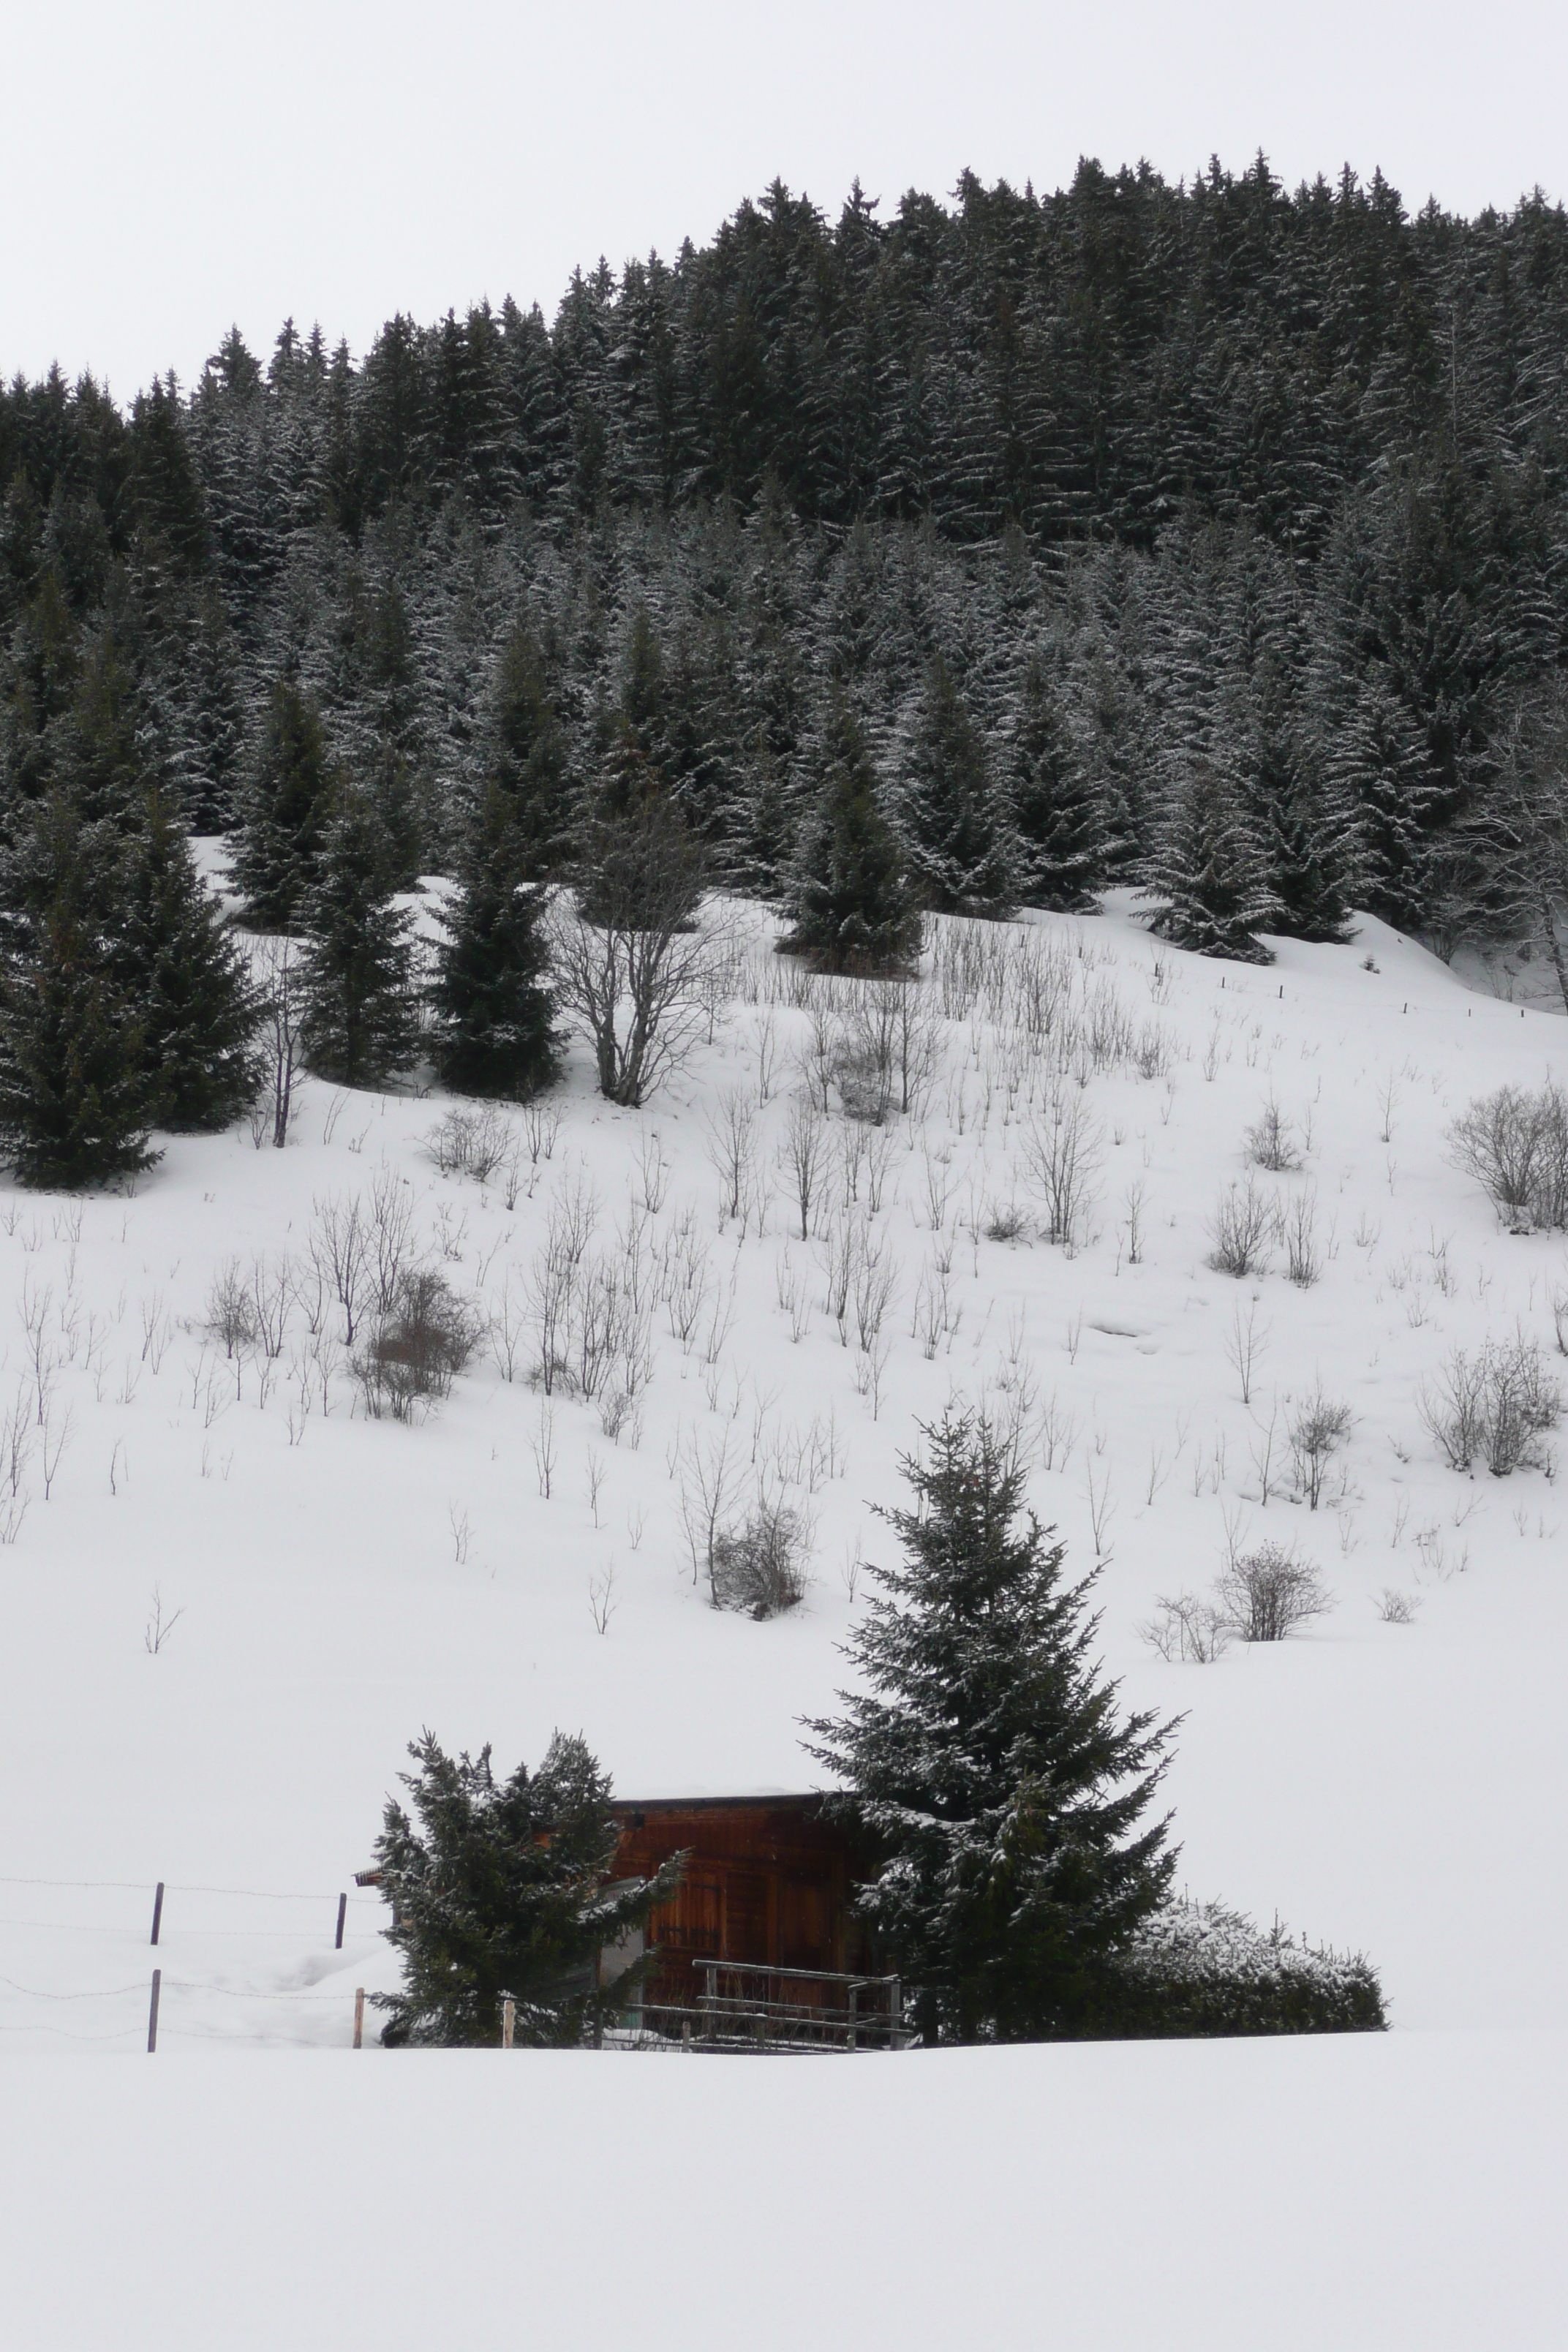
(1207, 877)
(359, 1023)
(528, 754)
(188, 980)
(985, 1761)
(1058, 812)
(961, 849)
(850, 895)
(284, 812)
(493, 1010)
(77, 1099)
(501, 1888)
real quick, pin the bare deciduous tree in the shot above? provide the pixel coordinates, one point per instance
(633, 949)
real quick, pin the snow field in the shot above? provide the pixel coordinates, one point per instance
(1396, 2193)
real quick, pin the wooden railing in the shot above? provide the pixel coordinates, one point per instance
(743, 2007)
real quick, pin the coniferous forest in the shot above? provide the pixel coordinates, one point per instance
(1207, 538)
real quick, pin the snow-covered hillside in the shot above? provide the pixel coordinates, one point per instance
(342, 1581)
(232, 1597)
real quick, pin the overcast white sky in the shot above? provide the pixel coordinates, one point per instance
(170, 165)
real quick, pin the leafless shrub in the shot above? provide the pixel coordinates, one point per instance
(803, 1156)
(277, 968)
(1265, 1595)
(391, 1239)
(1397, 1608)
(1494, 1407)
(601, 1597)
(1061, 1152)
(272, 1293)
(731, 1146)
(1239, 1231)
(759, 1566)
(340, 1251)
(1188, 1630)
(1245, 1344)
(231, 1314)
(1271, 1143)
(865, 1065)
(1515, 1145)
(1005, 1221)
(470, 1140)
(417, 1347)
(1317, 1429)
(158, 1627)
(1297, 1226)
(709, 1474)
(1153, 1052)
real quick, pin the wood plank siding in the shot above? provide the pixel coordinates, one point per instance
(768, 1883)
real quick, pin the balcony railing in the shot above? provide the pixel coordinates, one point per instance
(743, 2007)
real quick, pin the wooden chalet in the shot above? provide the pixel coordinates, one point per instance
(758, 1946)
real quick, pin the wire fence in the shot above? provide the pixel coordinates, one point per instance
(168, 1919)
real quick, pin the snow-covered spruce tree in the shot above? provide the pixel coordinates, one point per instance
(850, 895)
(1207, 877)
(1306, 823)
(500, 1887)
(75, 1099)
(961, 848)
(284, 809)
(1058, 810)
(188, 981)
(494, 1032)
(1377, 761)
(987, 1765)
(360, 1018)
(528, 759)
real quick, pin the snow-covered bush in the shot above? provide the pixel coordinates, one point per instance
(1200, 1969)
(1515, 1144)
(1495, 1406)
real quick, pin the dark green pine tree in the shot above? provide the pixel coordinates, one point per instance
(528, 756)
(501, 1888)
(188, 980)
(76, 1097)
(1207, 875)
(1307, 827)
(1058, 812)
(494, 1032)
(389, 787)
(961, 848)
(1313, 850)
(359, 1023)
(853, 906)
(985, 1761)
(1377, 761)
(284, 812)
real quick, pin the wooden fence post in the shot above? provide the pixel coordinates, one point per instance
(342, 1914)
(157, 1910)
(359, 2016)
(152, 2012)
(507, 2021)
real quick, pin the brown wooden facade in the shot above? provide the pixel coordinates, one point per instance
(767, 1884)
